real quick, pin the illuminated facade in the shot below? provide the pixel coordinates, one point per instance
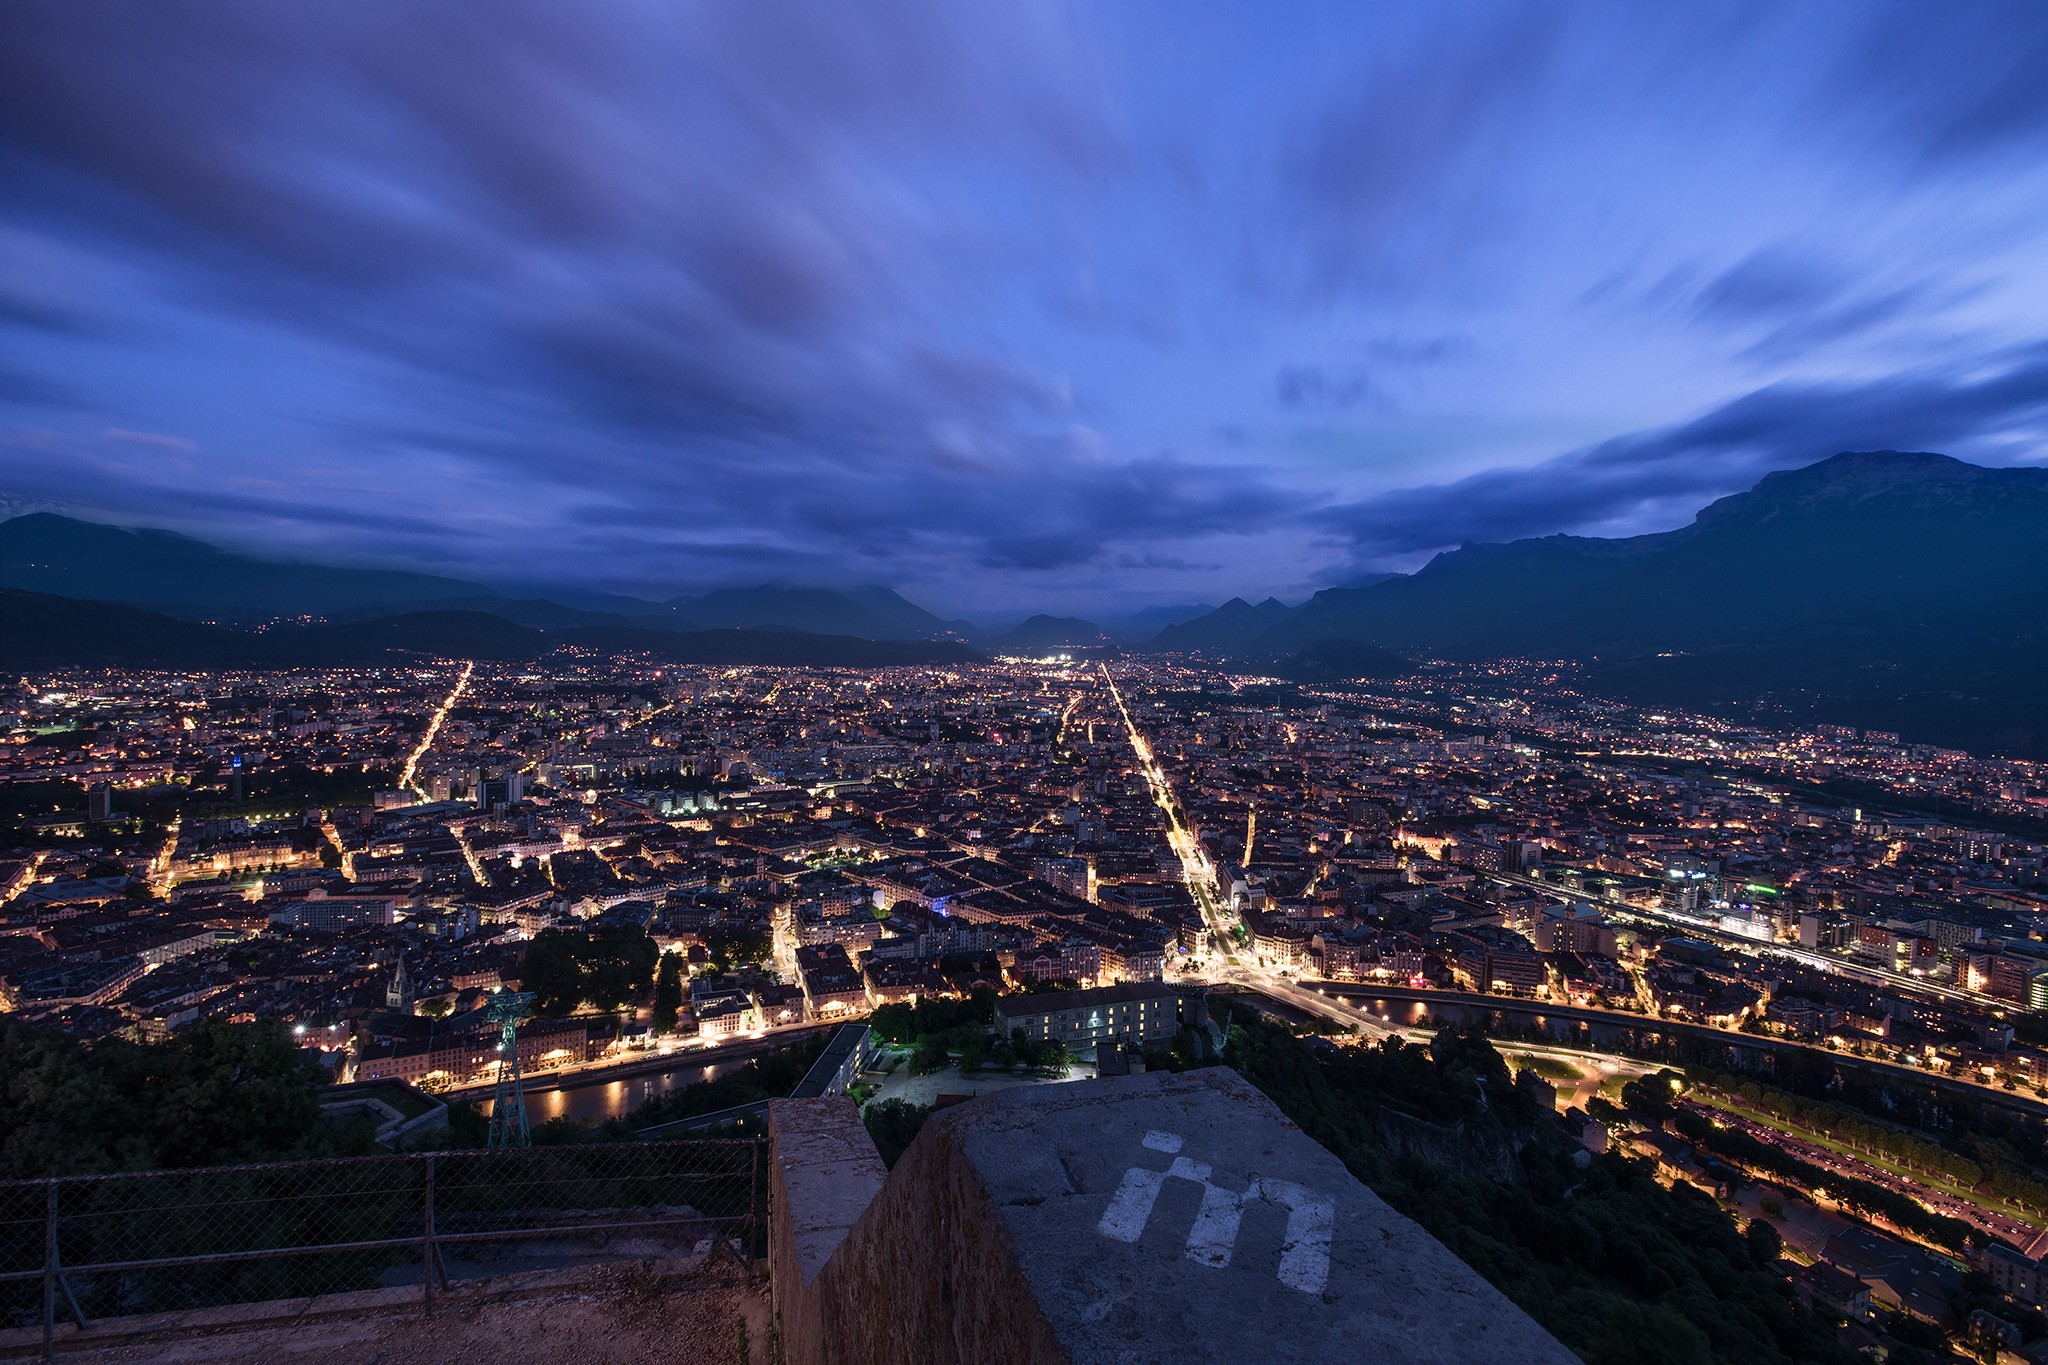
(1130, 1013)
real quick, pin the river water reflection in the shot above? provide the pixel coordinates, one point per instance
(1419, 1014)
(597, 1100)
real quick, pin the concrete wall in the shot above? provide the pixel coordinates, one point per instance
(823, 1173)
(927, 1274)
(1144, 1218)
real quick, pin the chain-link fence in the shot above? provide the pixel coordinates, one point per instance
(91, 1247)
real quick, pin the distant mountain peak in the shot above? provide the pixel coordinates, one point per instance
(1045, 631)
(1228, 629)
(40, 631)
(46, 552)
(871, 613)
(1859, 475)
(1885, 465)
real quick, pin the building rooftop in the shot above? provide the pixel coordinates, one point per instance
(1095, 996)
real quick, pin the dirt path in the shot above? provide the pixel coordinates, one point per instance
(631, 1313)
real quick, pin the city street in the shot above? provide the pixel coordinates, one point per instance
(1997, 1223)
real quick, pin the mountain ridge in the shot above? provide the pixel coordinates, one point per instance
(1856, 532)
(1816, 589)
(1232, 627)
(175, 575)
(1838, 589)
(873, 613)
(45, 552)
(41, 631)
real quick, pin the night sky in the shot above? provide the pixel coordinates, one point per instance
(1007, 306)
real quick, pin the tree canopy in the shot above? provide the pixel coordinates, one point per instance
(605, 967)
(730, 948)
(215, 1094)
(905, 1022)
(668, 992)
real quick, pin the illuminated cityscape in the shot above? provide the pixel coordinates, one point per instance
(910, 684)
(1474, 829)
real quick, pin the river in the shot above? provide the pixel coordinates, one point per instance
(597, 1099)
(1416, 1013)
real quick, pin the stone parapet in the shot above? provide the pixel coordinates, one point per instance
(823, 1173)
(1153, 1217)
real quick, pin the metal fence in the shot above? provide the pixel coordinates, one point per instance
(92, 1247)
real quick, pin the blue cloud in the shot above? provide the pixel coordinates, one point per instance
(1014, 306)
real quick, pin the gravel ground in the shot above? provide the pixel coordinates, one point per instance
(631, 1313)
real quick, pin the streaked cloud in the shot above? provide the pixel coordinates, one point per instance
(1014, 306)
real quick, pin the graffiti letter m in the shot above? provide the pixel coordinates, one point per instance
(1305, 1246)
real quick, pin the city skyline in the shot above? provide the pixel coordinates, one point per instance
(1055, 308)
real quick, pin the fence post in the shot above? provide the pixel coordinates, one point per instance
(427, 1241)
(49, 1270)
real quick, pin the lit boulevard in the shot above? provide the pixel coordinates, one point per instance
(1201, 877)
(412, 761)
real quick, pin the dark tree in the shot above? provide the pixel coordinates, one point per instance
(893, 1124)
(730, 948)
(668, 992)
(618, 965)
(1649, 1097)
(553, 970)
(606, 967)
(1765, 1243)
(1619, 1268)
(215, 1094)
(892, 1023)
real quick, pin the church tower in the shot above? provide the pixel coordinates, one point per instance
(399, 995)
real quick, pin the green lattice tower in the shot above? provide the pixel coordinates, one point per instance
(508, 1101)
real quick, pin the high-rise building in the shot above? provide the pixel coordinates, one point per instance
(508, 790)
(2037, 989)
